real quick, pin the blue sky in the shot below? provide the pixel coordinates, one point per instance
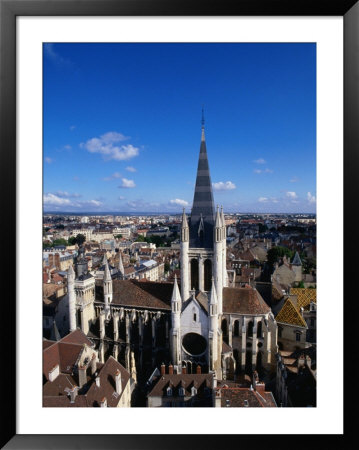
(122, 126)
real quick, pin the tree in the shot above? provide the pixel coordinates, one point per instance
(72, 240)
(140, 238)
(275, 253)
(118, 236)
(167, 267)
(57, 242)
(80, 239)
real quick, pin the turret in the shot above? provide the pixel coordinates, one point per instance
(72, 297)
(176, 305)
(224, 250)
(107, 286)
(184, 257)
(176, 324)
(218, 255)
(213, 327)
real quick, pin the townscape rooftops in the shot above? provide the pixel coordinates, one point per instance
(243, 301)
(175, 381)
(290, 315)
(107, 386)
(234, 396)
(304, 296)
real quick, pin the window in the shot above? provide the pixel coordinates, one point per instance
(297, 337)
(280, 331)
(194, 317)
(193, 391)
(169, 392)
(181, 391)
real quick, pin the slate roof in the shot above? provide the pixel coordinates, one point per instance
(203, 204)
(290, 315)
(296, 260)
(243, 301)
(304, 296)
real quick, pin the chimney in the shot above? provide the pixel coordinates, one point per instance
(163, 369)
(82, 376)
(198, 370)
(98, 384)
(184, 370)
(301, 360)
(73, 393)
(255, 379)
(103, 403)
(54, 373)
(118, 381)
(170, 369)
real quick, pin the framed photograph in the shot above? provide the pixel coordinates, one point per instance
(101, 103)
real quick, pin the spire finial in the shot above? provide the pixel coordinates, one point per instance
(202, 121)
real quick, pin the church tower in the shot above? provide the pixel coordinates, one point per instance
(84, 286)
(197, 310)
(107, 288)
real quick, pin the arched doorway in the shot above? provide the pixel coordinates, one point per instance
(194, 274)
(207, 275)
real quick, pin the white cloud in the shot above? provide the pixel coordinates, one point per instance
(260, 161)
(55, 57)
(311, 198)
(263, 170)
(291, 195)
(121, 197)
(131, 169)
(223, 186)
(127, 183)
(52, 199)
(178, 201)
(113, 176)
(263, 199)
(48, 160)
(67, 147)
(109, 146)
(294, 179)
(72, 127)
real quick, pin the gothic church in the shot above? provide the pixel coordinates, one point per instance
(201, 323)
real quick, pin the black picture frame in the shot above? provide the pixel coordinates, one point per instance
(9, 10)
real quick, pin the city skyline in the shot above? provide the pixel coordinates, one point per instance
(127, 140)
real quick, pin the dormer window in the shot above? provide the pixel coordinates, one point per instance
(169, 392)
(194, 317)
(181, 391)
(193, 391)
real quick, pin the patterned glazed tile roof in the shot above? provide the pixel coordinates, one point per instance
(305, 296)
(290, 315)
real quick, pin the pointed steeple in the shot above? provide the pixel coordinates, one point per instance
(107, 273)
(296, 260)
(184, 228)
(176, 296)
(218, 227)
(120, 266)
(203, 205)
(213, 294)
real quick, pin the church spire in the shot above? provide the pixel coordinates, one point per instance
(203, 205)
